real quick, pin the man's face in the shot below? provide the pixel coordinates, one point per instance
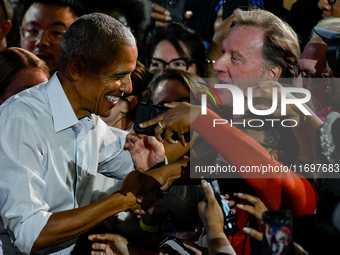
(101, 90)
(242, 58)
(45, 17)
(329, 10)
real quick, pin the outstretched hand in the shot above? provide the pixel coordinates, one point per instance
(255, 206)
(162, 15)
(143, 190)
(146, 151)
(112, 244)
(174, 121)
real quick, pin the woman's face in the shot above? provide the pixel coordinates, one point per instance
(166, 52)
(169, 91)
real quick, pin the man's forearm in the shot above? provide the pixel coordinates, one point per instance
(218, 243)
(167, 174)
(66, 225)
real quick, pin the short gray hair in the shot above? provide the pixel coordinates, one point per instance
(280, 43)
(331, 24)
(95, 38)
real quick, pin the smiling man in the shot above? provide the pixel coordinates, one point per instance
(52, 143)
(259, 46)
(43, 26)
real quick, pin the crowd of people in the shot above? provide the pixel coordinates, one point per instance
(78, 179)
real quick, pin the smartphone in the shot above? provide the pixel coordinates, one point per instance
(230, 5)
(277, 233)
(146, 112)
(230, 225)
(176, 9)
(173, 246)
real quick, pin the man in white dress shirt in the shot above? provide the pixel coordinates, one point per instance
(52, 143)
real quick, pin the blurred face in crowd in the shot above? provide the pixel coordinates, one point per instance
(312, 65)
(169, 91)
(166, 52)
(25, 79)
(53, 20)
(329, 8)
(5, 27)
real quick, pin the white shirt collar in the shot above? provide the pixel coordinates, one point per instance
(62, 111)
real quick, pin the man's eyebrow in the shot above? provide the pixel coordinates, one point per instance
(237, 53)
(113, 75)
(57, 23)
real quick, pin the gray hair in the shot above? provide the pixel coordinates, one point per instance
(96, 38)
(331, 24)
(280, 43)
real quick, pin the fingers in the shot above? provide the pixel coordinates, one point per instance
(252, 199)
(207, 191)
(150, 199)
(193, 247)
(160, 9)
(253, 233)
(168, 135)
(248, 208)
(257, 207)
(201, 206)
(161, 15)
(131, 139)
(101, 249)
(99, 246)
(188, 15)
(156, 145)
(152, 122)
(149, 192)
(171, 105)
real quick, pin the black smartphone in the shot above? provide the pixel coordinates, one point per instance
(230, 5)
(173, 246)
(230, 225)
(277, 233)
(146, 112)
(176, 9)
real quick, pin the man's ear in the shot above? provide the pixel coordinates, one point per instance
(76, 68)
(6, 27)
(133, 101)
(275, 72)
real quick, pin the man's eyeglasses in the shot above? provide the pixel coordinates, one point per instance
(331, 1)
(304, 74)
(32, 34)
(177, 63)
(4, 9)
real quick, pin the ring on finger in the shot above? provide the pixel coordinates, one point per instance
(160, 124)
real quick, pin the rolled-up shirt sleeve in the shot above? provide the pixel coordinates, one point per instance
(24, 210)
(118, 162)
